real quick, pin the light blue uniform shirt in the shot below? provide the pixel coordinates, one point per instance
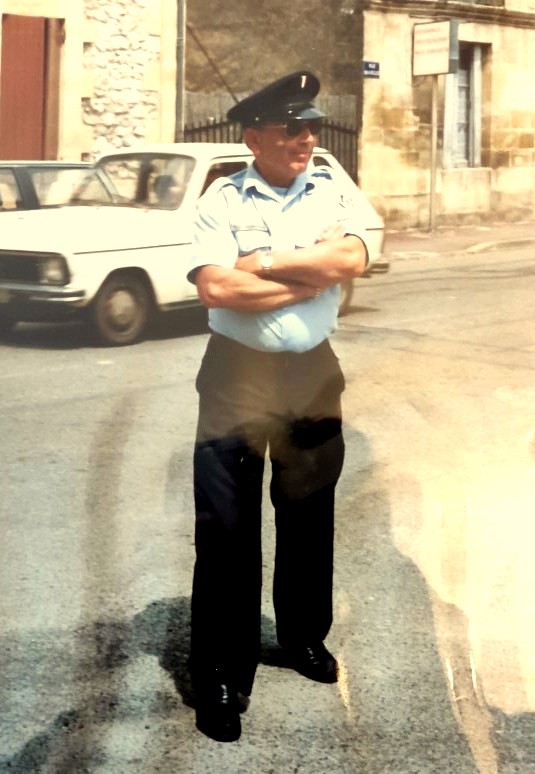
(242, 214)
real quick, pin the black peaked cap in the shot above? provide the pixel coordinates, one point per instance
(288, 97)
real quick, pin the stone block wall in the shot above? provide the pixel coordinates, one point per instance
(395, 139)
(117, 74)
(129, 65)
(396, 135)
(252, 43)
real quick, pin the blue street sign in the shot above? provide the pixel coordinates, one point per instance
(371, 69)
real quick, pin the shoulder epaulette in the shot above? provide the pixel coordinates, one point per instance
(322, 171)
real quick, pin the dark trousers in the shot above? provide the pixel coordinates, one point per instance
(249, 402)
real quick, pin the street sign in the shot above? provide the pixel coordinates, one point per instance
(371, 69)
(436, 48)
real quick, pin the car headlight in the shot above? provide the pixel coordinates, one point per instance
(53, 270)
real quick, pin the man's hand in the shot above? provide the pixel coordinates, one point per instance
(245, 292)
(251, 262)
(335, 257)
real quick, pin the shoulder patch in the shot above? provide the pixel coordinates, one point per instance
(323, 172)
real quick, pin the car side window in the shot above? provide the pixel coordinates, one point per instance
(222, 169)
(10, 198)
(56, 186)
(320, 161)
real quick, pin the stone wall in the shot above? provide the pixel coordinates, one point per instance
(117, 71)
(396, 138)
(252, 42)
(127, 74)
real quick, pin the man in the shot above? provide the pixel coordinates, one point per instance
(168, 191)
(272, 243)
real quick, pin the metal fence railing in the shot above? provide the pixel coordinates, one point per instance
(214, 131)
(342, 142)
(340, 139)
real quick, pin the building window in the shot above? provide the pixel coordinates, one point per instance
(462, 110)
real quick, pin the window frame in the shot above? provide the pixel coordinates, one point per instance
(450, 156)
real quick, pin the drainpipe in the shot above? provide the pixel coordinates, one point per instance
(359, 85)
(181, 72)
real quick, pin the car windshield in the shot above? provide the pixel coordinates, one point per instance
(147, 180)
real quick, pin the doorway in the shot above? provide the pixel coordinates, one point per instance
(29, 87)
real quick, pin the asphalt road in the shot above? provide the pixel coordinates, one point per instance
(434, 581)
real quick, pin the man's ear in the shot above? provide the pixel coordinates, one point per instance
(250, 138)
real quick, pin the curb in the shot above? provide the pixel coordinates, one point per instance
(481, 247)
(478, 247)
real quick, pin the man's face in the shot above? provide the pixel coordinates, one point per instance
(280, 158)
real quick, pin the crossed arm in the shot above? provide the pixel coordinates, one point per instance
(296, 275)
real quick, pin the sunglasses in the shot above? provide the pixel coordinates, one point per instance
(294, 126)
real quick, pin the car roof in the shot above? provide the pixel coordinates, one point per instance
(197, 149)
(184, 148)
(42, 163)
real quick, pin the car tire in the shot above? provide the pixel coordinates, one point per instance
(121, 310)
(345, 298)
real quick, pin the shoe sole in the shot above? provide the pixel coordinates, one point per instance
(232, 735)
(326, 678)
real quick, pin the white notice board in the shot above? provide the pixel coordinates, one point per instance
(435, 48)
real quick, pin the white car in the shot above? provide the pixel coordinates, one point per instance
(118, 253)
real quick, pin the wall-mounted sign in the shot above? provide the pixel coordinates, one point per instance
(436, 48)
(371, 69)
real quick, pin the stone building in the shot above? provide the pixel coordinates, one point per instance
(235, 47)
(79, 77)
(99, 74)
(363, 52)
(485, 165)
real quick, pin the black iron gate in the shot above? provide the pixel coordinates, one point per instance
(341, 140)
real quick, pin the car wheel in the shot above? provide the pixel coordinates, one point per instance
(345, 298)
(121, 310)
(6, 324)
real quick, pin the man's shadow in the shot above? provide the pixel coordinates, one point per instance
(163, 630)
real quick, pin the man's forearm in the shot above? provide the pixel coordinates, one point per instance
(245, 292)
(324, 264)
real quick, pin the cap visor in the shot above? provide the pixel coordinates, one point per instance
(308, 113)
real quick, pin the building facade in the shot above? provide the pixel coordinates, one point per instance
(234, 48)
(100, 74)
(79, 77)
(485, 164)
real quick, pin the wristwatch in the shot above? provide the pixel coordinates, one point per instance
(266, 262)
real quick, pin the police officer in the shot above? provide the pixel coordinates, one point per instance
(272, 245)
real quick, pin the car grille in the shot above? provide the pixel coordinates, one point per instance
(19, 267)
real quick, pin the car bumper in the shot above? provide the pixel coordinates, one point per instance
(38, 302)
(377, 266)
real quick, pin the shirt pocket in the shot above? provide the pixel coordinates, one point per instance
(251, 238)
(315, 216)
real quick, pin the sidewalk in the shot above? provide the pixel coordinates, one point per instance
(453, 239)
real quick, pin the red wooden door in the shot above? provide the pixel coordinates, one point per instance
(22, 87)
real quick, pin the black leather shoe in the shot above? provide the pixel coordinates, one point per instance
(314, 662)
(217, 711)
